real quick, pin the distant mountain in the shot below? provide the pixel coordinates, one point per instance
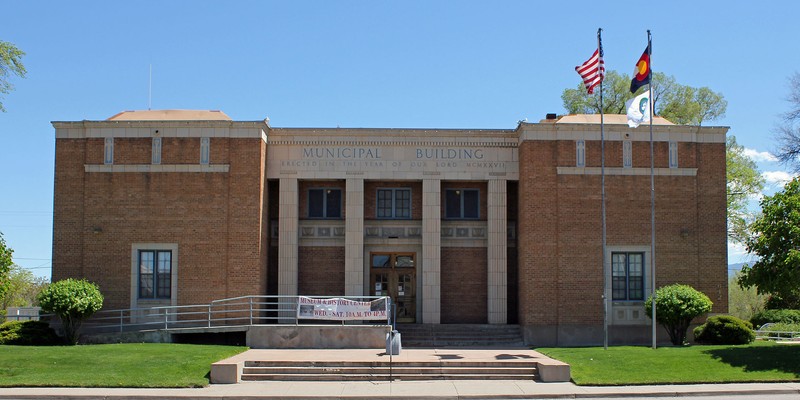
(734, 268)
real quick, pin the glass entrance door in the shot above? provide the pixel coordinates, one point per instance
(394, 275)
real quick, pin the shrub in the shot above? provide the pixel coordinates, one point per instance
(676, 306)
(73, 300)
(725, 329)
(28, 333)
(780, 302)
(776, 316)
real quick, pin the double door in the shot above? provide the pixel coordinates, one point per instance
(394, 275)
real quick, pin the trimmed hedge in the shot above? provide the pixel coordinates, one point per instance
(776, 316)
(724, 329)
(28, 333)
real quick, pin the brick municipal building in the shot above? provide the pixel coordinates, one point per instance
(458, 226)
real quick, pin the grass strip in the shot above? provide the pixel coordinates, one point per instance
(632, 365)
(146, 365)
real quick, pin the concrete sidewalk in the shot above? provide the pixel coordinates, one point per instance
(407, 390)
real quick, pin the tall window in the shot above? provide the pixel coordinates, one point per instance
(580, 153)
(394, 203)
(627, 158)
(627, 276)
(462, 204)
(155, 274)
(324, 203)
(673, 154)
(108, 151)
(205, 150)
(156, 159)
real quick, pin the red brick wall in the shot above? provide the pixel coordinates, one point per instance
(215, 218)
(537, 232)
(133, 151)
(711, 222)
(68, 196)
(560, 226)
(464, 285)
(320, 271)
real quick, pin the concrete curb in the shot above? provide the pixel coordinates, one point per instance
(441, 390)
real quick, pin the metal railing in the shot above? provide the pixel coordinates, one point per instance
(231, 312)
(765, 333)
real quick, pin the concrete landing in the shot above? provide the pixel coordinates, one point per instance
(550, 370)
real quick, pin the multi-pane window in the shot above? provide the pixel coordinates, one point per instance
(673, 154)
(155, 274)
(156, 158)
(324, 203)
(205, 150)
(580, 153)
(627, 276)
(627, 158)
(108, 151)
(462, 204)
(394, 203)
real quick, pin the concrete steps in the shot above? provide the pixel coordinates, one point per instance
(369, 371)
(460, 335)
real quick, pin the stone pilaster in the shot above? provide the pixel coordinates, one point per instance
(287, 237)
(497, 252)
(354, 238)
(431, 253)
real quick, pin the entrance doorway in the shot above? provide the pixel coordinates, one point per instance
(395, 275)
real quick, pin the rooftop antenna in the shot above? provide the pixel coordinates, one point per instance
(150, 89)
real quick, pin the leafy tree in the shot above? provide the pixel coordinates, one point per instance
(788, 133)
(776, 317)
(776, 241)
(23, 288)
(744, 181)
(5, 266)
(743, 303)
(678, 103)
(676, 306)
(10, 63)
(73, 301)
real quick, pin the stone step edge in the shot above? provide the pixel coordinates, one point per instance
(409, 370)
(323, 377)
(395, 364)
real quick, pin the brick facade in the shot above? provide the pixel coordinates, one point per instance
(222, 219)
(464, 285)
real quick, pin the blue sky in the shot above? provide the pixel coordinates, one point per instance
(420, 64)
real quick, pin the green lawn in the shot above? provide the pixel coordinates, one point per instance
(627, 365)
(111, 365)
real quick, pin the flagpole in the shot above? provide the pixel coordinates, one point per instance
(652, 187)
(603, 199)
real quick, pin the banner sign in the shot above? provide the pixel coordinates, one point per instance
(341, 309)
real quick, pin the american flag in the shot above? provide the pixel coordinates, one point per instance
(593, 70)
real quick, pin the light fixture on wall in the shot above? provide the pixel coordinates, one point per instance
(97, 230)
(684, 232)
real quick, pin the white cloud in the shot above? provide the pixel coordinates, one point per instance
(777, 178)
(737, 253)
(760, 156)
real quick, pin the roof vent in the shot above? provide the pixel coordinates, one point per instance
(551, 116)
